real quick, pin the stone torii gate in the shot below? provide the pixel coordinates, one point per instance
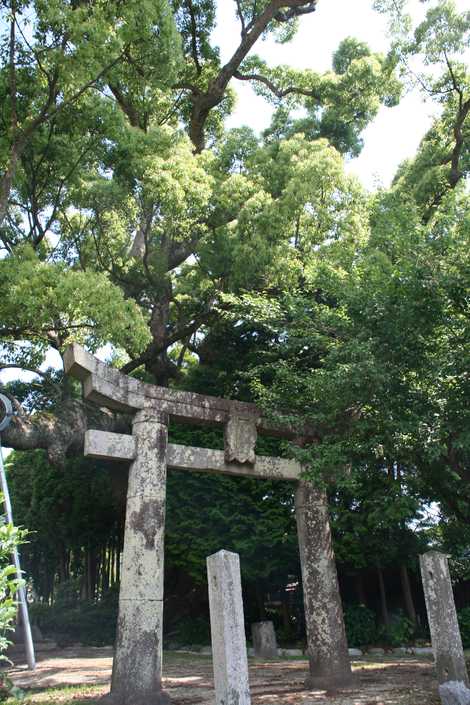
(137, 665)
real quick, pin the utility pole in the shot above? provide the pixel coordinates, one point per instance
(6, 413)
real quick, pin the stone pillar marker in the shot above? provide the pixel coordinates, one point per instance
(442, 616)
(264, 639)
(227, 629)
(326, 635)
(137, 666)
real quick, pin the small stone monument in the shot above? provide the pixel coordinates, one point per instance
(264, 639)
(445, 634)
(227, 630)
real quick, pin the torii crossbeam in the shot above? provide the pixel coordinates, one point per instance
(137, 672)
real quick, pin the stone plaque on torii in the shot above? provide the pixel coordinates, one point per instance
(137, 671)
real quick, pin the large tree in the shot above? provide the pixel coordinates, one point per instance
(119, 225)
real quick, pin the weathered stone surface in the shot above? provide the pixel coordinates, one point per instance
(142, 571)
(119, 397)
(136, 678)
(240, 439)
(227, 629)
(376, 651)
(355, 653)
(442, 617)
(105, 445)
(119, 446)
(109, 387)
(454, 693)
(143, 549)
(264, 639)
(205, 460)
(326, 635)
(137, 665)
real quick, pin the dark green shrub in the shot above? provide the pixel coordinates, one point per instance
(360, 625)
(463, 617)
(287, 636)
(399, 632)
(87, 623)
(190, 631)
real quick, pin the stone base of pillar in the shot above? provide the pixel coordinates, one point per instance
(329, 680)
(155, 698)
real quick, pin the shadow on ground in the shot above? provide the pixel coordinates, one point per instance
(81, 674)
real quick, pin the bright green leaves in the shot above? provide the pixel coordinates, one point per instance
(432, 56)
(317, 204)
(10, 537)
(431, 53)
(444, 31)
(48, 304)
(338, 104)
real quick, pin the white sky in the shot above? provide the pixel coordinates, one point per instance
(395, 133)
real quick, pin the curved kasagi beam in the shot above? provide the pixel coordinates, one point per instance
(108, 387)
(103, 384)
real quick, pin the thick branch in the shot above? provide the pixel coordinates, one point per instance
(125, 105)
(48, 110)
(204, 102)
(455, 172)
(194, 50)
(33, 370)
(61, 433)
(278, 92)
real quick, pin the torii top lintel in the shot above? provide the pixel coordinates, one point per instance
(108, 387)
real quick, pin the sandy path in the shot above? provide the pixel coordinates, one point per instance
(188, 680)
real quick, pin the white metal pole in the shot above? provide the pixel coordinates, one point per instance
(28, 637)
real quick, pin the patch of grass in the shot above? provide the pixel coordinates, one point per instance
(63, 695)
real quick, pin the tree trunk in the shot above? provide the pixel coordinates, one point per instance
(260, 601)
(407, 593)
(63, 433)
(360, 591)
(383, 597)
(285, 616)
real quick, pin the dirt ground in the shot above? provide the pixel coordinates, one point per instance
(188, 679)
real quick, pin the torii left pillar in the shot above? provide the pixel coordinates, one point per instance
(137, 666)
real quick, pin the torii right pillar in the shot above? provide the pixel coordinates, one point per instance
(326, 636)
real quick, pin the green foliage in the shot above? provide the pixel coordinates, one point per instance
(463, 616)
(360, 625)
(398, 632)
(66, 528)
(362, 628)
(89, 623)
(9, 691)
(341, 103)
(191, 631)
(10, 537)
(86, 308)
